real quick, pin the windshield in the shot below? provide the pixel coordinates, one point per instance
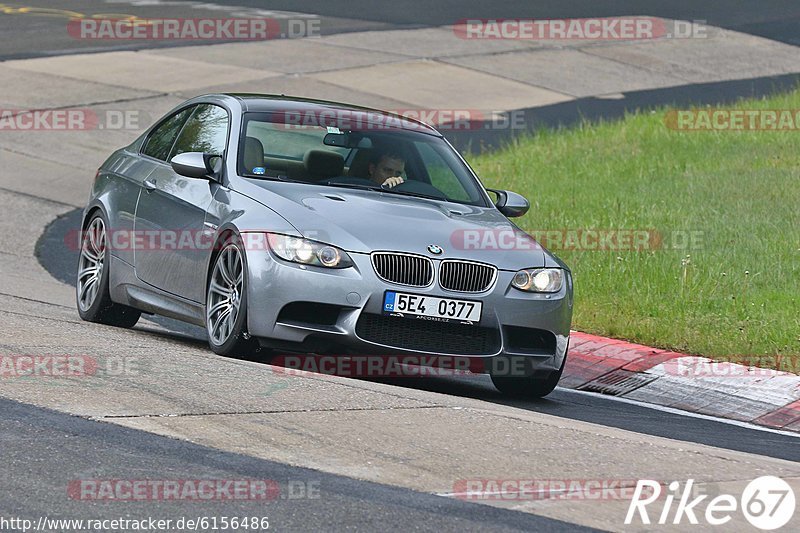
(381, 158)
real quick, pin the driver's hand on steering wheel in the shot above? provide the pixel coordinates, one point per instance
(392, 182)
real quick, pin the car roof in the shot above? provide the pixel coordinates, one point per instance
(264, 103)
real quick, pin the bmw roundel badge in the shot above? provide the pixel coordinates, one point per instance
(435, 249)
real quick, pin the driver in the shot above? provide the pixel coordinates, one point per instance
(386, 167)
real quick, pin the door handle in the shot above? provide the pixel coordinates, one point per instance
(149, 185)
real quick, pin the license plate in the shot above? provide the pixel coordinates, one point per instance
(432, 308)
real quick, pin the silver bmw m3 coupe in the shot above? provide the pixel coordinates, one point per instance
(302, 225)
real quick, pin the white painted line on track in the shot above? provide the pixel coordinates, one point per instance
(746, 425)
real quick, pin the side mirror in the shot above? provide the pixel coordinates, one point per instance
(197, 165)
(510, 203)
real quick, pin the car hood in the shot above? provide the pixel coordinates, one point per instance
(365, 221)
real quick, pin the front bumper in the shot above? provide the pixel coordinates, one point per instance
(293, 306)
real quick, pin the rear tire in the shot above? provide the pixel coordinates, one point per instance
(93, 297)
(534, 385)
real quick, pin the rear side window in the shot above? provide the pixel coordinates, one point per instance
(206, 131)
(161, 139)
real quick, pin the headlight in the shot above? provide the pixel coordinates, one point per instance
(298, 250)
(539, 280)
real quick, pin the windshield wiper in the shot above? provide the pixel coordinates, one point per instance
(417, 195)
(354, 186)
(387, 190)
(272, 178)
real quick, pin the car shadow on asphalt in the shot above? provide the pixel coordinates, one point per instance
(189, 339)
(474, 386)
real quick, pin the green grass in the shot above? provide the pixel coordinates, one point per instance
(737, 293)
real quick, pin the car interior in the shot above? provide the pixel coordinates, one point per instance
(316, 164)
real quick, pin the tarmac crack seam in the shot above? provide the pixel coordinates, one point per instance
(33, 196)
(81, 80)
(443, 61)
(38, 157)
(402, 56)
(278, 412)
(632, 65)
(61, 320)
(99, 102)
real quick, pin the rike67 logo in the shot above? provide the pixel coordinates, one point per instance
(767, 502)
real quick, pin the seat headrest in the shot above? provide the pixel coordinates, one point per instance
(359, 168)
(323, 164)
(253, 154)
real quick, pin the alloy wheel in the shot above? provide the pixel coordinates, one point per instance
(224, 294)
(92, 261)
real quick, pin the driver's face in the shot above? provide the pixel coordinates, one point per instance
(387, 167)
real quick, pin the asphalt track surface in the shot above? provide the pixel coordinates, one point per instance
(60, 261)
(69, 448)
(31, 34)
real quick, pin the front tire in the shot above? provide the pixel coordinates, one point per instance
(93, 297)
(226, 303)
